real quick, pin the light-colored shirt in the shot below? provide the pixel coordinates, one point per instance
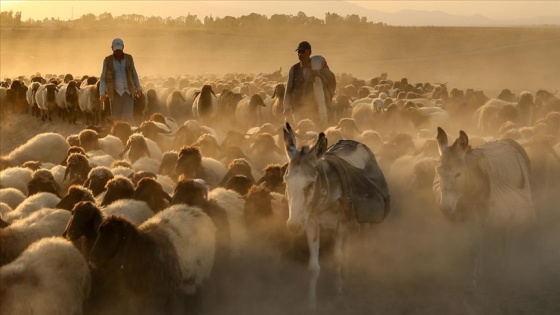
(121, 85)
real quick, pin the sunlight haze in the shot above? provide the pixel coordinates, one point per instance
(65, 10)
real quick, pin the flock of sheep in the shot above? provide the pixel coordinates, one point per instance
(137, 219)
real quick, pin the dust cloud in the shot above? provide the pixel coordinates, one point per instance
(416, 262)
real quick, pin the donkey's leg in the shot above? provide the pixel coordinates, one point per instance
(340, 239)
(312, 231)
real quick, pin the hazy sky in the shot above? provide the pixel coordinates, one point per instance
(499, 10)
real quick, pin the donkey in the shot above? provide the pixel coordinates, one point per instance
(488, 185)
(318, 196)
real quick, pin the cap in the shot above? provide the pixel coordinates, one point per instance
(117, 44)
(304, 46)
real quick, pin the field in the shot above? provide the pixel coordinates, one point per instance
(415, 262)
(481, 58)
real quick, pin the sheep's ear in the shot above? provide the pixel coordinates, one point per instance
(290, 142)
(274, 93)
(262, 180)
(87, 183)
(196, 94)
(442, 141)
(125, 149)
(66, 173)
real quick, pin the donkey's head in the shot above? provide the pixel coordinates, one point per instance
(450, 171)
(301, 177)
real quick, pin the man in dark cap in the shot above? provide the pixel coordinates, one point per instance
(119, 81)
(299, 101)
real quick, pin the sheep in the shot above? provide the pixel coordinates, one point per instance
(158, 134)
(16, 177)
(90, 103)
(151, 192)
(238, 167)
(118, 188)
(30, 97)
(43, 181)
(490, 116)
(168, 161)
(67, 100)
(264, 151)
(34, 150)
(20, 234)
(233, 204)
(239, 184)
(122, 171)
(121, 130)
(32, 204)
(45, 97)
(248, 112)
(155, 264)
(139, 146)
(97, 178)
(273, 178)
(78, 168)
(83, 225)
(167, 183)
(76, 193)
(265, 215)
(91, 142)
(50, 277)
(205, 104)
(190, 164)
(178, 107)
(146, 164)
(209, 146)
(12, 197)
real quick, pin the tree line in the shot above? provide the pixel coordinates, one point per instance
(14, 19)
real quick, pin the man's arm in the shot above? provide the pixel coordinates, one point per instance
(102, 80)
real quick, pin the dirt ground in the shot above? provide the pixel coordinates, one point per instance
(415, 262)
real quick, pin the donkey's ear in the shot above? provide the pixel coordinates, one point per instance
(290, 142)
(463, 141)
(320, 146)
(442, 140)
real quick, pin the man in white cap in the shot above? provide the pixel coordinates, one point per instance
(119, 81)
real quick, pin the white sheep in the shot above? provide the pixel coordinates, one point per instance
(146, 164)
(32, 204)
(135, 211)
(122, 171)
(4, 209)
(34, 150)
(20, 234)
(233, 204)
(12, 197)
(89, 102)
(50, 277)
(16, 177)
(45, 97)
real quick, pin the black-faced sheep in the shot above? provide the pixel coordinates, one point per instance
(76, 193)
(238, 167)
(239, 183)
(83, 225)
(205, 105)
(52, 276)
(97, 178)
(121, 130)
(273, 178)
(43, 181)
(77, 169)
(191, 165)
(118, 188)
(151, 192)
(67, 101)
(155, 264)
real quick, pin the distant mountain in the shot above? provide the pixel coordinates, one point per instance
(404, 17)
